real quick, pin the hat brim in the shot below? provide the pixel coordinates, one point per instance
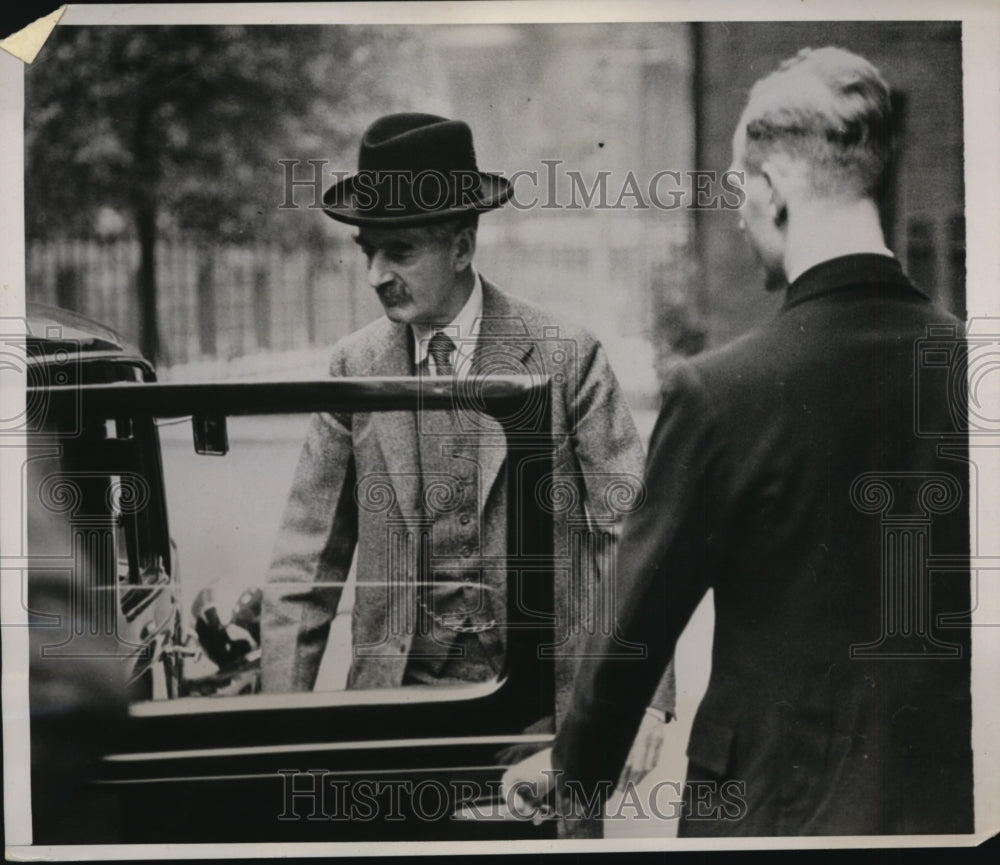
(493, 191)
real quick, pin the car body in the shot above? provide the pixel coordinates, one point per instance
(413, 763)
(86, 474)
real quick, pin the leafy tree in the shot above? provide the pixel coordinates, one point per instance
(183, 127)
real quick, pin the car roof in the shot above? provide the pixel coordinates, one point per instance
(52, 329)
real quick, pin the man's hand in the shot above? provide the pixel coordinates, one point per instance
(529, 785)
(646, 747)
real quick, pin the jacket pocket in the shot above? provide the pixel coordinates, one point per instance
(710, 746)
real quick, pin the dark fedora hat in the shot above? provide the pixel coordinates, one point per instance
(414, 169)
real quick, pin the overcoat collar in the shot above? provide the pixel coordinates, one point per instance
(849, 271)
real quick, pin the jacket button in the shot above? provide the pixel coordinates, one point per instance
(466, 551)
(465, 519)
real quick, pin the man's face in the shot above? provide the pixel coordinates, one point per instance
(757, 214)
(414, 274)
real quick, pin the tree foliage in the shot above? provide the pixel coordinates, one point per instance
(141, 130)
(193, 118)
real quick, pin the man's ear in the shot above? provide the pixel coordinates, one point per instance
(777, 178)
(463, 248)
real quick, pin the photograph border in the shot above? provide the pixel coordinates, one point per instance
(981, 86)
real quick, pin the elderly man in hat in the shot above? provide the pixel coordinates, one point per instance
(416, 201)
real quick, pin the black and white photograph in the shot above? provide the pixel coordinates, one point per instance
(482, 427)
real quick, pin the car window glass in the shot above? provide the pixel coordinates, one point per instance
(408, 582)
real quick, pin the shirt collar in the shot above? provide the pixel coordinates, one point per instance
(463, 328)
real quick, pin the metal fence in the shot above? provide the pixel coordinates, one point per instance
(213, 301)
(258, 302)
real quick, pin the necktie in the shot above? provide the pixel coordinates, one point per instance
(440, 348)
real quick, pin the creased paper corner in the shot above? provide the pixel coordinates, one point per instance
(26, 43)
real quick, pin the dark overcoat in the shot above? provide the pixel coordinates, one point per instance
(814, 476)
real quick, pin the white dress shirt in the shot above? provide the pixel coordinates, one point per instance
(463, 331)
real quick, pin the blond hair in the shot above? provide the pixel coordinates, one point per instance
(829, 108)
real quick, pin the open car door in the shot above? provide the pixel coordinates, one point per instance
(208, 757)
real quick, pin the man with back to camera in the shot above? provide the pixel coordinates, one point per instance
(416, 200)
(791, 473)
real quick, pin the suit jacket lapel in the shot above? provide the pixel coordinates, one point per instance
(505, 343)
(396, 431)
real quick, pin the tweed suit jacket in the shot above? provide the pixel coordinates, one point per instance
(807, 474)
(360, 487)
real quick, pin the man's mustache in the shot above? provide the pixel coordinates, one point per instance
(392, 293)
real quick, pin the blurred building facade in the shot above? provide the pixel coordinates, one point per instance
(585, 118)
(923, 213)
